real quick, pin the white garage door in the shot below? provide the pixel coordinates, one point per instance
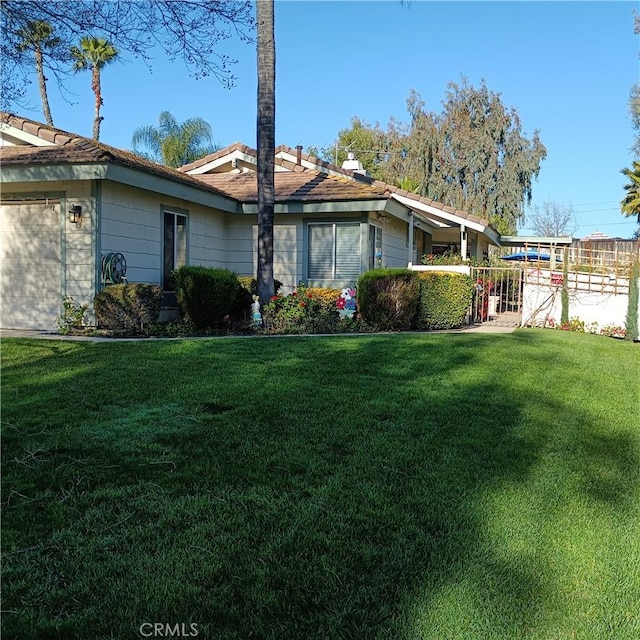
(30, 264)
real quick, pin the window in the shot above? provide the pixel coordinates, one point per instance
(174, 245)
(334, 252)
(375, 247)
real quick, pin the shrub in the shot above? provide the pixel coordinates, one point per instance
(325, 297)
(389, 298)
(575, 324)
(306, 310)
(211, 298)
(129, 307)
(444, 299)
(74, 315)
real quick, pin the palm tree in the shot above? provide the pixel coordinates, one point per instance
(266, 128)
(94, 53)
(630, 205)
(36, 36)
(172, 143)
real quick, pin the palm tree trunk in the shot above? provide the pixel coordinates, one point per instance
(266, 127)
(42, 82)
(95, 85)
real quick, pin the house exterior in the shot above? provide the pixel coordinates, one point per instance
(69, 204)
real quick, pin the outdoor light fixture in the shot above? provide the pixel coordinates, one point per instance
(75, 214)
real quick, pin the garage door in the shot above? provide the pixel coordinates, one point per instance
(30, 264)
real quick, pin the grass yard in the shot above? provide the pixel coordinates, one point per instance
(397, 487)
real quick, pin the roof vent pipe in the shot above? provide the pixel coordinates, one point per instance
(299, 154)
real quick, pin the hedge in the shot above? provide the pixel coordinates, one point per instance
(129, 307)
(445, 299)
(211, 298)
(388, 298)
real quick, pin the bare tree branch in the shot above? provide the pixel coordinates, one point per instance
(553, 220)
(187, 29)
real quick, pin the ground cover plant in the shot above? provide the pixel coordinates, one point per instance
(398, 486)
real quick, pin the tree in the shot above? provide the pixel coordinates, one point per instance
(630, 205)
(37, 36)
(473, 155)
(368, 143)
(180, 28)
(94, 53)
(553, 219)
(266, 130)
(174, 144)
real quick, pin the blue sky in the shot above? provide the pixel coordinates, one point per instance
(566, 67)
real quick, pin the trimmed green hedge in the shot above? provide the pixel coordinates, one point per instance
(129, 307)
(388, 298)
(211, 298)
(444, 299)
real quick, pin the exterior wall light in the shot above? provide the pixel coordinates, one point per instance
(75, 214)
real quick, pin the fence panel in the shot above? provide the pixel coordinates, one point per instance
(498, 294)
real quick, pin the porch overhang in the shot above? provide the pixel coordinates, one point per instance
(521, 241)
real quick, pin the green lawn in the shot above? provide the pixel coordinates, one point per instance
(416, 486)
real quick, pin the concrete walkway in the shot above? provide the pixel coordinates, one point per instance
(501, 324)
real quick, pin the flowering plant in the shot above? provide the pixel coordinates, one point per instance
(613, 331)
(575, 324)
(446, 258)
(305, 310)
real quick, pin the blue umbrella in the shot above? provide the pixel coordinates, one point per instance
(528, 256)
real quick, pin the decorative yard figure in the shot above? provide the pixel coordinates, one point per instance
(255, 312)
(346, 303)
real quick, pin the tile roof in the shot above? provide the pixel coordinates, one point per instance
(312, 186)
(388, 188)
(328, 166)
(236, 146)
(302, 185)
(73, 149)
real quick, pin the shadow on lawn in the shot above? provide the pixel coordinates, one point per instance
(382, 493)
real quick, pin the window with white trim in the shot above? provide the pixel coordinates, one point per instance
(174, 245)
(334, 251)
(375, 247)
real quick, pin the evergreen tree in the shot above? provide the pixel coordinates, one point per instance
(94, 53)
(630, 205)
(473, 155)
(37, 36)
(172, 143)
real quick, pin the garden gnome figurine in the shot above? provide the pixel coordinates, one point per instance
(255, 312)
